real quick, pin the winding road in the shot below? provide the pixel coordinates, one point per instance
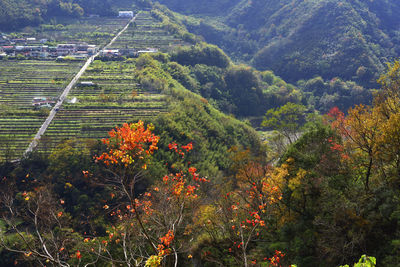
(66, 91)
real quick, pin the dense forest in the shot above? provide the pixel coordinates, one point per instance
(300, 39)
(197, 185)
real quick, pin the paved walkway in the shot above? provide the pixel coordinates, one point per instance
(66, 91)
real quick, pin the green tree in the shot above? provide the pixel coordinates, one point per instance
(287, 120)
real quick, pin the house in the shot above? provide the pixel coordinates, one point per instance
(18, 41)
(40, 102)
(125, 14)
(110, 53)
(66, 49)
(4, 40)
(43, 41)
(92, 49)
(8, 48)
(82, 47)
(80, 55)
(128, 51)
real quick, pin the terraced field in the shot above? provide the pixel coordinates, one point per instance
(93, 110)
(147, 32)
(20, 82)
(96, 31)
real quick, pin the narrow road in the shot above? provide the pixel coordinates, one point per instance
(66, 91)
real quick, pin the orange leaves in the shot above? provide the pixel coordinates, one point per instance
(168, 238)
(165, 243)
(190, 190)
(178, 187)
(174, 147)
(188, 147)
(275, 260)
(129, 143)
(78, 255)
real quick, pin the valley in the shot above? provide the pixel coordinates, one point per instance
(255, 133)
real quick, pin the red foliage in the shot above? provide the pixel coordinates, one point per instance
(129, 143)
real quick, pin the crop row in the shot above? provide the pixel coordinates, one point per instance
(115, 98)
(147, 32)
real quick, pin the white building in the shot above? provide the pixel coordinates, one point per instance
(125, 14)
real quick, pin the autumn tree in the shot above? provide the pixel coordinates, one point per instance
(150, 227)
(36, 229)
(240, 218)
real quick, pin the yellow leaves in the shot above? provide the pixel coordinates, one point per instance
(278, 176)
(296, 181)
(204, 214)
(68, 185)
(153, 261)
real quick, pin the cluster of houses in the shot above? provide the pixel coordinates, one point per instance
(30, 47)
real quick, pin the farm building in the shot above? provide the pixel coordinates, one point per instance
(86, 84)
(148, 50)
(125, 14)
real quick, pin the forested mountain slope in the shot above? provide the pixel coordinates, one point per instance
(300, 39)
(19, 13)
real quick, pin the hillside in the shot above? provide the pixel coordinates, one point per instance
(147, 162)
(300, 39)
(19, 13)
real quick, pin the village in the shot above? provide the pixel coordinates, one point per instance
(33, 48)
(29, 48)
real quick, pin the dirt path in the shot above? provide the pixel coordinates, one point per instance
(66, 91)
